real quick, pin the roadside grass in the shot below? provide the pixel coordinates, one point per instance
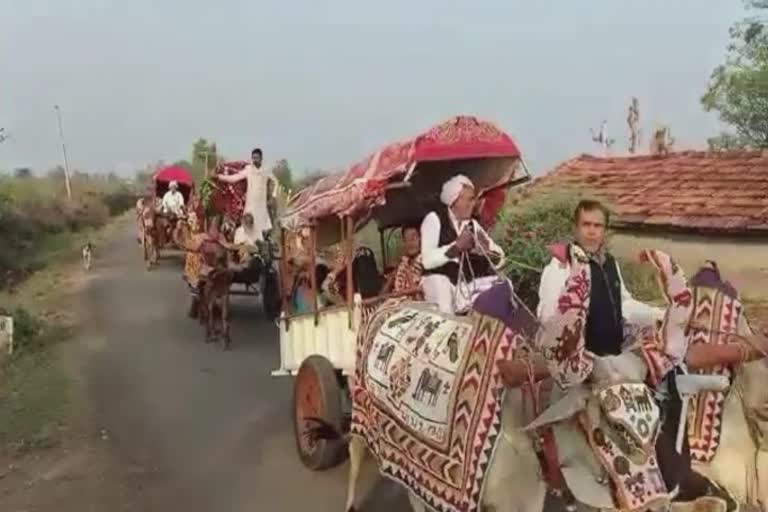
(36, 399)
(34, 394)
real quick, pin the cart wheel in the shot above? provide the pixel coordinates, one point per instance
(317, 394)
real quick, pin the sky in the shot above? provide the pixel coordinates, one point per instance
(323, 84)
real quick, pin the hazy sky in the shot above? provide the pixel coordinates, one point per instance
(324, 83)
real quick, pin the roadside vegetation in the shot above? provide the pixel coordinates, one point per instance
(41, 233)
(39, 225)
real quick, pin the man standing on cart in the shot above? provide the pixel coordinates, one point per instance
(260, 192)
(457, 254)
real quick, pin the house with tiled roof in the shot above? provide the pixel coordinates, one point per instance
(696, 205)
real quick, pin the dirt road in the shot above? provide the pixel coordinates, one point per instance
(176, 424)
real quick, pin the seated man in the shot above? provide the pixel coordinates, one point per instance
(610, 307)
(334, 283)
(450, 235)
(246, 236)
(407, 275)
(173, 201)
(366, 279)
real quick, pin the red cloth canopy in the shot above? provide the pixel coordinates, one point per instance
(174, 173)
(364, 184)
(228, 199)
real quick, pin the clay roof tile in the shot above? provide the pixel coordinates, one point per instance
(724, 191)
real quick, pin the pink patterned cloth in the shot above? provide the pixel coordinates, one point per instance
(562, 339)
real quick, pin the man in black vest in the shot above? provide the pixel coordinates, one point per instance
(456, 250)
(611, 305)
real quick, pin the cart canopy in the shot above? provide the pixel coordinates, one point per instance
(174, 173)
(399, 183)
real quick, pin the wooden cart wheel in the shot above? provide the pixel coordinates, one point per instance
(317, 394)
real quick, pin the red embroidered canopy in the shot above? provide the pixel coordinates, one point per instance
(228, 199)
(174, 173)
(365, 184)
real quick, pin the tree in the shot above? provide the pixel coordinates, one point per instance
(283, 175)
(204, 154)
(738, 89)
(22, 172)
(57, 173)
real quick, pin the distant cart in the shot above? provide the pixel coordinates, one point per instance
(163, 227)
(397, 185)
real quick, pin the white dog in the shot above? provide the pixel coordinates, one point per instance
(87, 255)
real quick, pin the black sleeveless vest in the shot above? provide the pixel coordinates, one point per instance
(605, 320)
(480, 267)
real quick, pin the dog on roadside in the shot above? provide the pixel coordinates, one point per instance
(87, 256)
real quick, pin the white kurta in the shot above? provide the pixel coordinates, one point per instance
(553, 283)
(437, 287)
(173, 202)
(247, 237)
(255, 194)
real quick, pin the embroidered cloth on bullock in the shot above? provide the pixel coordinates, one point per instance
(621, 421)
(716, 314)
(623, 438)
(427, 400)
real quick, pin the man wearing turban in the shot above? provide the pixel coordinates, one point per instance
(173, 201)
(457, 254)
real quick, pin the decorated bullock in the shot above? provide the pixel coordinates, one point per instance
(727, 429)
(208, 272)
(451, 424)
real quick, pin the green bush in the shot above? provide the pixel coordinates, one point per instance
(27, 328)
(36, 218)
(525, 230)
(120, 201)
(89, 211)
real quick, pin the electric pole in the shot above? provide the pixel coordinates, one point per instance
(64, 151)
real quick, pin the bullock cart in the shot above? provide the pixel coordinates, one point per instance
(397, 185)
(160, 230)
(260, 276)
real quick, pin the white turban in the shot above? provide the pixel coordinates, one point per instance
(452, 188)
(173, 184)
